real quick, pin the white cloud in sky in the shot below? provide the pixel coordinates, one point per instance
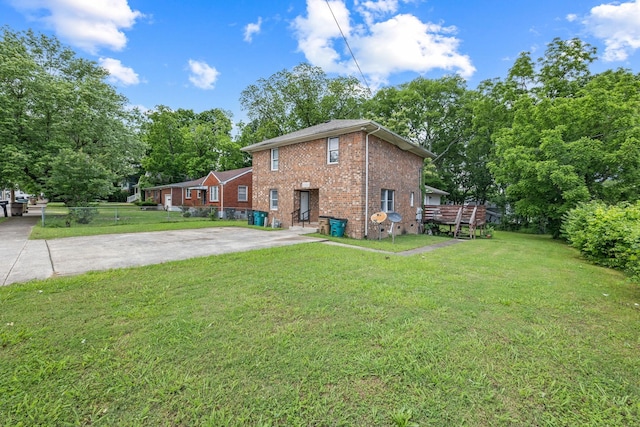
(251, 29)
(384, 44)
(87, 24)
(572, 17)
(118, 72)
(202, 75)
(618, 25)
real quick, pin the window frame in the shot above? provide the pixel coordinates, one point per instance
(272, 206)
(275, 160)
(188, 194)
(246, 193)
(217, 193)
(330, 150)
(385, 200)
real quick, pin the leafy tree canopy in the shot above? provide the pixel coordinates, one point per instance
(574, 137)
(184, 145)
(292, 100)
(52, 102)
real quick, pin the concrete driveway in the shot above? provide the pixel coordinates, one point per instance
(22, 260)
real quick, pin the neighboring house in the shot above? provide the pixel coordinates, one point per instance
(229, 191)
(432, 195)
(348, 169)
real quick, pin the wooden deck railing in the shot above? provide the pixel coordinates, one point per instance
(474, 216)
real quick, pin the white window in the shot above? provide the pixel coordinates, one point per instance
(332, 150)
(242, 193)
(188, 196)
(273, 200)
(274, 159)
(411, 196)
(214, 194)
(386, 200)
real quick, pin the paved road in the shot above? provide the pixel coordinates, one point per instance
(22, 260)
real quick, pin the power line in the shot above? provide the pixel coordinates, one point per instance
(348, 47)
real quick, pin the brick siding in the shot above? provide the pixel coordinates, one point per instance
(338, 190)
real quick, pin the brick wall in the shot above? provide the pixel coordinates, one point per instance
(394, 169)
(340, 187)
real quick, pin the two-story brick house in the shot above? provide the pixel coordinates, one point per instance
(227, 190)
(346, 169)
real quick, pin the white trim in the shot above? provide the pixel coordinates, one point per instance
(385, 201)
(272, 199)
(275, 160)
(246, 193)
(214, 190)
(330, 150)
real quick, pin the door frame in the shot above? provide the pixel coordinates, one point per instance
(304, 211)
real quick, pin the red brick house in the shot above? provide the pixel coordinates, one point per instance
(228, 190)
(346, 169)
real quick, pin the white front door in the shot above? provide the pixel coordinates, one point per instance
(304, 206)
(167, 202)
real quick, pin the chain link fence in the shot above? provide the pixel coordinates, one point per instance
(99, 216)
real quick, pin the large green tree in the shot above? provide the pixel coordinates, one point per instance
(185, 145)
(290, 100)
(50, 102)
(437, 114)
(574, 136)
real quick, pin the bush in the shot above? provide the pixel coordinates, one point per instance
(146, 203)
(606, 235)
(82, 215)
(118, 197)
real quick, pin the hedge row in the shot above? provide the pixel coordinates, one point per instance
(606, 235)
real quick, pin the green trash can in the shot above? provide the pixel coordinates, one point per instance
(337, 226)
(259, 218)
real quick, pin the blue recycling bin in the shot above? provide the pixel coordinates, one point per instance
(337, 226)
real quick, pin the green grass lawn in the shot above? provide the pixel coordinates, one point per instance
(401, 243)
(515, 330)
(39, 232)
(111, 218)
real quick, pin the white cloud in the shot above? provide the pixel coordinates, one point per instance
(382, 45)
(375, 9)
(88, 25)
(118, 72)
(618, 25)
(572, 17)
(202, 76)
(252, 29)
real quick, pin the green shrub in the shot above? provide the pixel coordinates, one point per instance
(606, 235)
(213, 215)
(118, 197)
(82, 215)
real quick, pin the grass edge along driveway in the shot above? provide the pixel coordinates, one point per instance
(516, 330)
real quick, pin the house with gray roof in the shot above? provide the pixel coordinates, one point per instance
(228, 191)
(347, 169)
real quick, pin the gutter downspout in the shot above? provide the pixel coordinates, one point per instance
(366, 183)
(222, 200)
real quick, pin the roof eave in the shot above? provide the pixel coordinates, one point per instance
(369, 127)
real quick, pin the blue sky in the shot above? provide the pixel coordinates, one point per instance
(201, 54)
